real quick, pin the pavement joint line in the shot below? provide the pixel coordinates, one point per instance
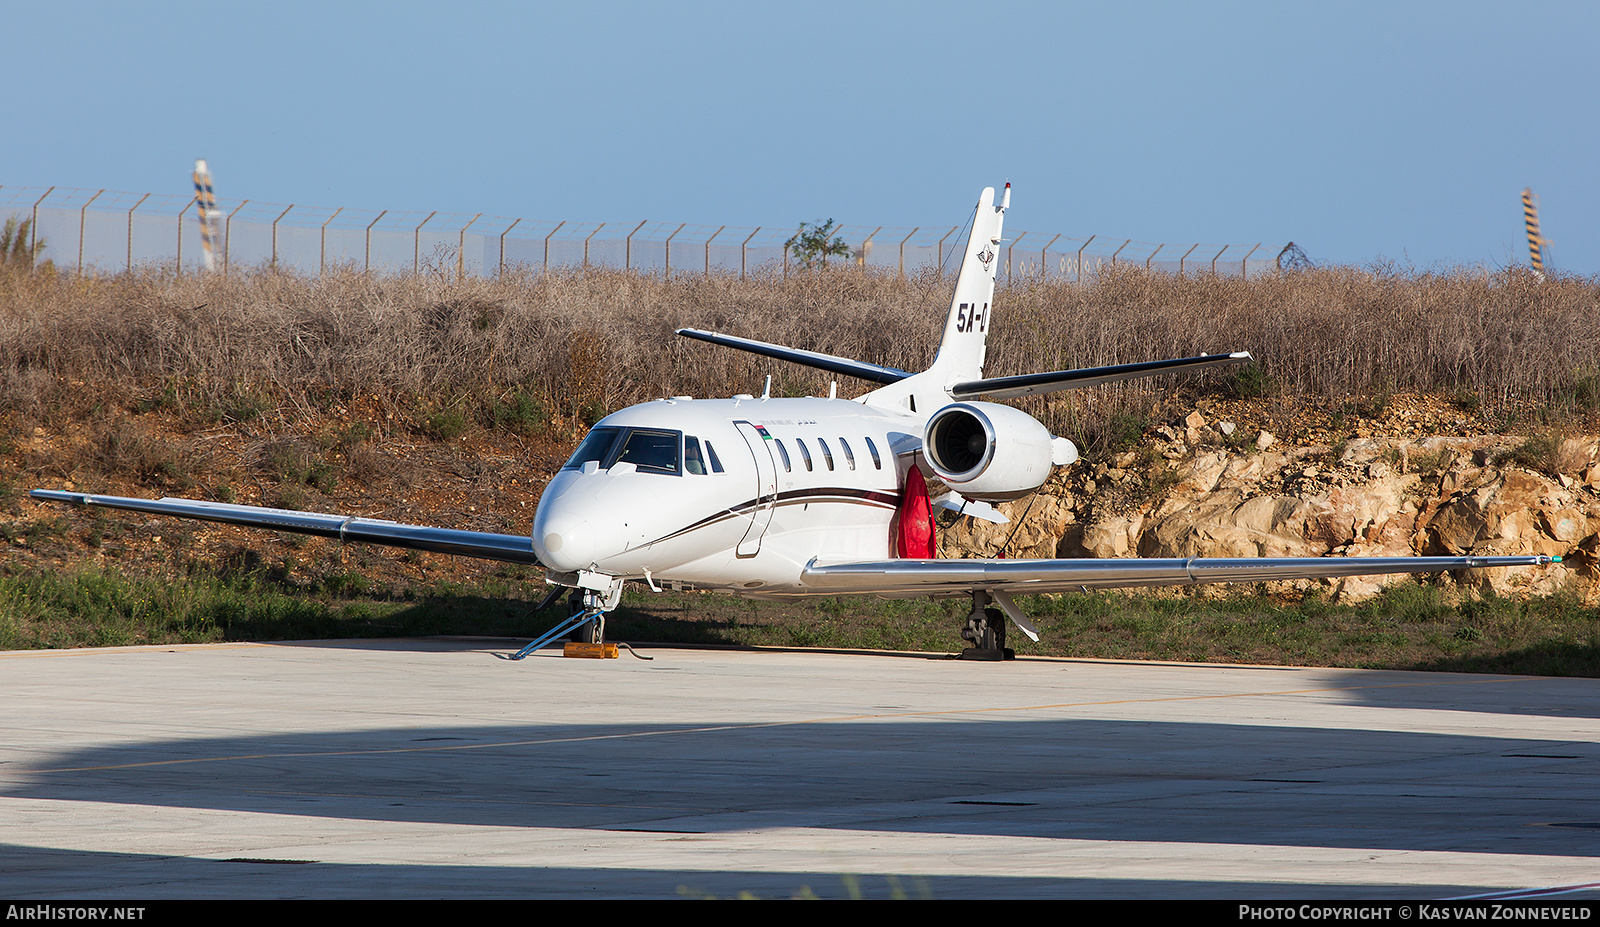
(757, 725)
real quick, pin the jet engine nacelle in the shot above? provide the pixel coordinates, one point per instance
(992, 452)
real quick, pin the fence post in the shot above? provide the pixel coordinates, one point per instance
(83, 215)
(130, 230)
(596, 232)
(367, 268)
(33, 226)
(502, 268)
(941, 250)
(1044, 258)
(227, 238)
(416, 243)
(903, 250)
(179, 271)
(743, 247)
(667, 271)
(1080, 258)
(461, 249)
(708, 247)
(1244, 265)
(322, 246)
(275, 236)
(1009, 249)
(627, 247)
(547, 242)
(1185, 258)
(866, 246)
(1152, 256)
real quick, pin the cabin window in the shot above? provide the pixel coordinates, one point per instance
(805, 454)
(877, 462)
(596, 447)
(692, 461)
(849, 455)
(783, 455)
(827, 454)
(651, 451)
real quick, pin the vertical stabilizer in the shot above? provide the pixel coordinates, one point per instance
(961, 350)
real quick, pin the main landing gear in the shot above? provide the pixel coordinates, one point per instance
(986, 629)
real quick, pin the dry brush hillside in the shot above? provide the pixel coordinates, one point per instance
(431, 399)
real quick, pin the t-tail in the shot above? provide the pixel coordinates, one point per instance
(957, 370)
(966, 327)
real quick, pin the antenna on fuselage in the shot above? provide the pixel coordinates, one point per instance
(766, 392)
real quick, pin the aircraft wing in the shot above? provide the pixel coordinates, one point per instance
(510, 548)
(1020, 577)
(1030, 383)
(851, 368)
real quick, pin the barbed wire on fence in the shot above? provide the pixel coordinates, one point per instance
(110, 231)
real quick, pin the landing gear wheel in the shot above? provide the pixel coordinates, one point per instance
(986, 629)
(590, 632)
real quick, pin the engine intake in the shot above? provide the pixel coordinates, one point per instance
(991, 452)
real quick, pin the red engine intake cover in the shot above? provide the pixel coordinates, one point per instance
(914, 533)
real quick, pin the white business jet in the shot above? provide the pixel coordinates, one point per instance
(774, 497)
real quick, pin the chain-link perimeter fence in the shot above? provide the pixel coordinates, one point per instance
(109, 231)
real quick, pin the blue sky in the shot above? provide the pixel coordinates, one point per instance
(1362, 131)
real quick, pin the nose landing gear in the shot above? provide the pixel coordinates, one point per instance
(585, 624)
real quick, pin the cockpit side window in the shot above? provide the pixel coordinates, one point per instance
(716, 462)
(596, 446)
(651, 451)
(692, 461)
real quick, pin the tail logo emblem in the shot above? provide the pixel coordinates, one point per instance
(984, 257)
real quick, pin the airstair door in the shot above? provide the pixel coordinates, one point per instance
(766, 487)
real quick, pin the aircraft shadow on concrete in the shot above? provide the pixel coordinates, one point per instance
(1085, 779)
(1540, 696)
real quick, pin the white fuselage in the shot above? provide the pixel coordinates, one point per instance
(733, 494)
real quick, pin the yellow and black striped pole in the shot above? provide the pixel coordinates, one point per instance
(1530, 219)
(208, 212)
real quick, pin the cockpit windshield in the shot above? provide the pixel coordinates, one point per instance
(651, 450)
(597, 447)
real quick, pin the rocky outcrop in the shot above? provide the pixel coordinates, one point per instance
(1197, 490)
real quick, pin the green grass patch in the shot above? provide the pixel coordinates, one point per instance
(1409, 626)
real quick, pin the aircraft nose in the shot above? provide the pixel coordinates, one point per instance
(566, 544)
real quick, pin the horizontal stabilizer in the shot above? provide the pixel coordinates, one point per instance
(510, 548)
(844, 365)
(1030, 383)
